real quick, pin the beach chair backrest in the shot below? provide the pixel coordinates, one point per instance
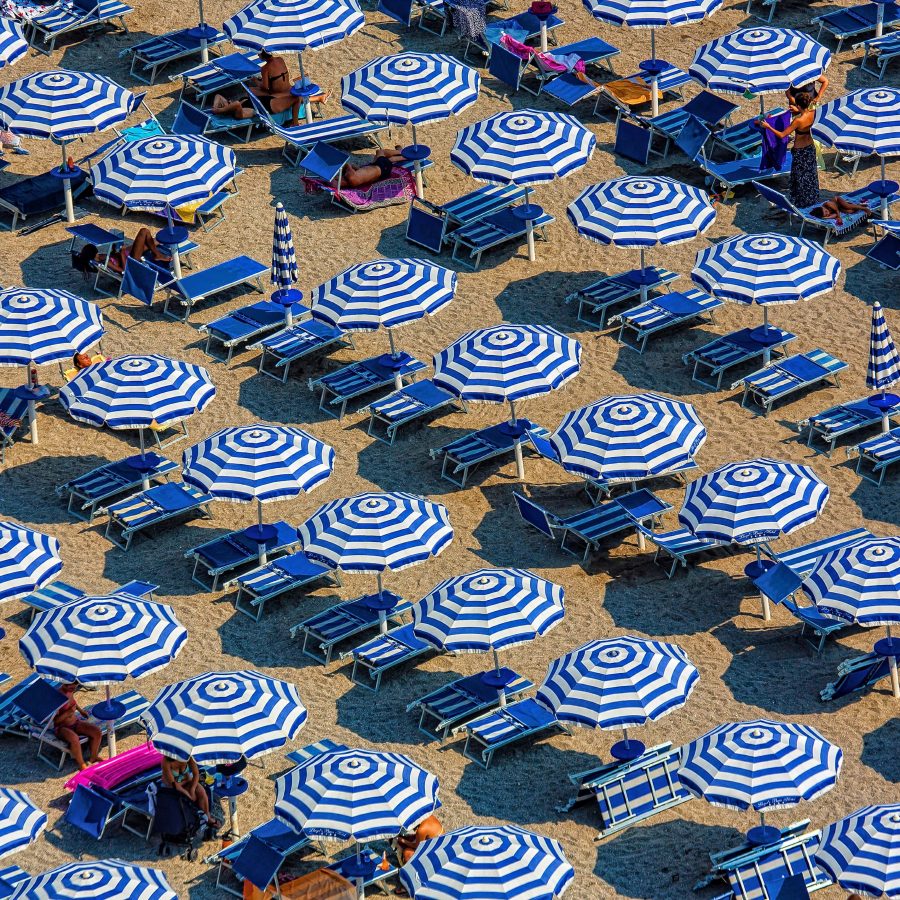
(632, 141)
(39, 701)
(399, 10)
(709, 108)
(776, 198)
(542, 445)
(505, 66)
(425, 228)
(533, 514)
(138, 281)
(793, 888)
(148, 128)
(692, 138)
(886, 251)
(257, 862)
(762, 875)
(88, 811)
(190, 120)
(85, 7)
(324, 161)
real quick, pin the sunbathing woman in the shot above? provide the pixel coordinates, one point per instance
(377, 170)
(143, 244)
(832, 209)
(272, 88)
(185, 778)
(70, 725)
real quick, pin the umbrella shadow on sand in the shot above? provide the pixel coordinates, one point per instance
(880, 750)
(879, 504)
(516, 301)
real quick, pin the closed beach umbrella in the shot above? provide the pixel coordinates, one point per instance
(759, 60)
(411, 89)
(108, 879)
(13, 45)
(884, 367)
(21, 821)
(760, 765)
(861, 584)
(618, 683)
(102, 641)
(861, 852)
(641, 211)
(44, 326)
(384, 293)
(258, 463)
(651, 14)
(627, 437)
(501, 862)
(161, 173)
(284, 264)
(61, 106)
(766, 269)
(524, 147)
(486, 611)
(29, 559)
(356, 795)
(221, 717)
(508, 364)
(137, 392)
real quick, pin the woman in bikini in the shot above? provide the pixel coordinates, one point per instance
(804, 188)
(143, 244)
(184, 777)
(70, 725)
(272, 88)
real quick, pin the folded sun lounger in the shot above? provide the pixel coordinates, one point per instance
(196, 122)
(784, 377)
(714, 359)
(242, 270)
(249, 323)
(493, 231)
(664, 314)
(678, 546)
(294, 343)
(857, 675)
(602, 295)
(374, 658)
(58, 593)
(877, 455)
(404, 406)
(841, 420)
(207, 79)
(148, 508)
(151, 55)
(66, 16)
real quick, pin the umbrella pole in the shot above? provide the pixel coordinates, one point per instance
(767, 612)
(67, 186)
(654, 77)
(259, 521)
(32, 404)
(645, 293)
(307, 100)
(398, 378)
(204, 46)
(501, 691)
(110, 729)
(767, 353)
(382, 614)
(520, 462)
(879, 21)
(529, 228)
(145, 475)
(360, 879)
(892, 662)
(417, 166)
(885, 209)
(176, 258)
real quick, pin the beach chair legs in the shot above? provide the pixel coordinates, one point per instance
(370, 678)
(252, 609)
(283, 364)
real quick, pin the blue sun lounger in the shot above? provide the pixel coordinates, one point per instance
(591, 527)
(58, 593)
(878, 53)
(355, 380)
(407, 405)
(466, 453)
(664, 313)
(404, 12)
(289, 573)
(602, 295)
(520, 721)
(67, 16)
(886, 251)
(772, 4)
(678, 546)
(207, 79)
(594, 52)
(233, 550)
(38, 194)
(877, 455)
(853, 21)
(445, 710)
(857, 675)
(374, 658)
(10, 715)
(249, 323)
(294, 343)
(193, 121)
(152, 507)
(492, 231)
(151, 55)
(15, 412)
(715, 358)
(836, 422)
(743, 138)
(323, 631)
(784, 377)
(242, 270)
(87, 493)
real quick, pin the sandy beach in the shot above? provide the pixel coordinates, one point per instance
(748, 668)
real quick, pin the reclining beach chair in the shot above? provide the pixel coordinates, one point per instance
(634, 90)
(520, 721)
(886, 250)
(725, 176)
(249, 323)
(152, 507)
(294, 343)
(597, 56)
(743, 138)
(878, 53)
(446, 709)
(498, 228)
(602, 295)
(784, 377)
(876, 455)
(771, 4)
(758, 872)
(678, 546)
(461, 456)
(715, 358)
(857, 675)
(66, 16)
(664, 313)
(853, 21)
(38, 194)
(407, 405)
(289, 573)
(142, 279)
(87, 492)
(191, 289)
(208, 79)
(13, 412)
(404, 12)
(323, 631)
(355, 380)
(850, 221)
(233, 550)
(11, 717)
(58, 593)
(590, 528)
(383, 653)
(151, 55)
(832, 424)
(196, 122)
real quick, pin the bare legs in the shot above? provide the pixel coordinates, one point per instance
(72, 736)
(360, 176)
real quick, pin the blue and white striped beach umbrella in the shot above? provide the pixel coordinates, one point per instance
(355, 795)
(488, 610)
(103, 640)
(753, 501)
(761, 765)
(29, 559)
(617, 683)
(220, 717)
(761, 60)
(861, 852)
(108, 879)
(626, 437)
(502, 862)
(292, 26)
(284, 257)
(884, 358)
(21, 821)
(523, 147)
(13, 45)
(864, 121)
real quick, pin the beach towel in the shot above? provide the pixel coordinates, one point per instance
(549, 62)
(774, 148)
(400, 187)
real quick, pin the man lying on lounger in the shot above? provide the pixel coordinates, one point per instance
(377, 170)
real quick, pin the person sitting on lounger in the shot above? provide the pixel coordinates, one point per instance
(184, 777)
(271, 87)
(143, 245)
(407, 843)
(377, 170)
(832, 209)
(81, 361)
(70, 724)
